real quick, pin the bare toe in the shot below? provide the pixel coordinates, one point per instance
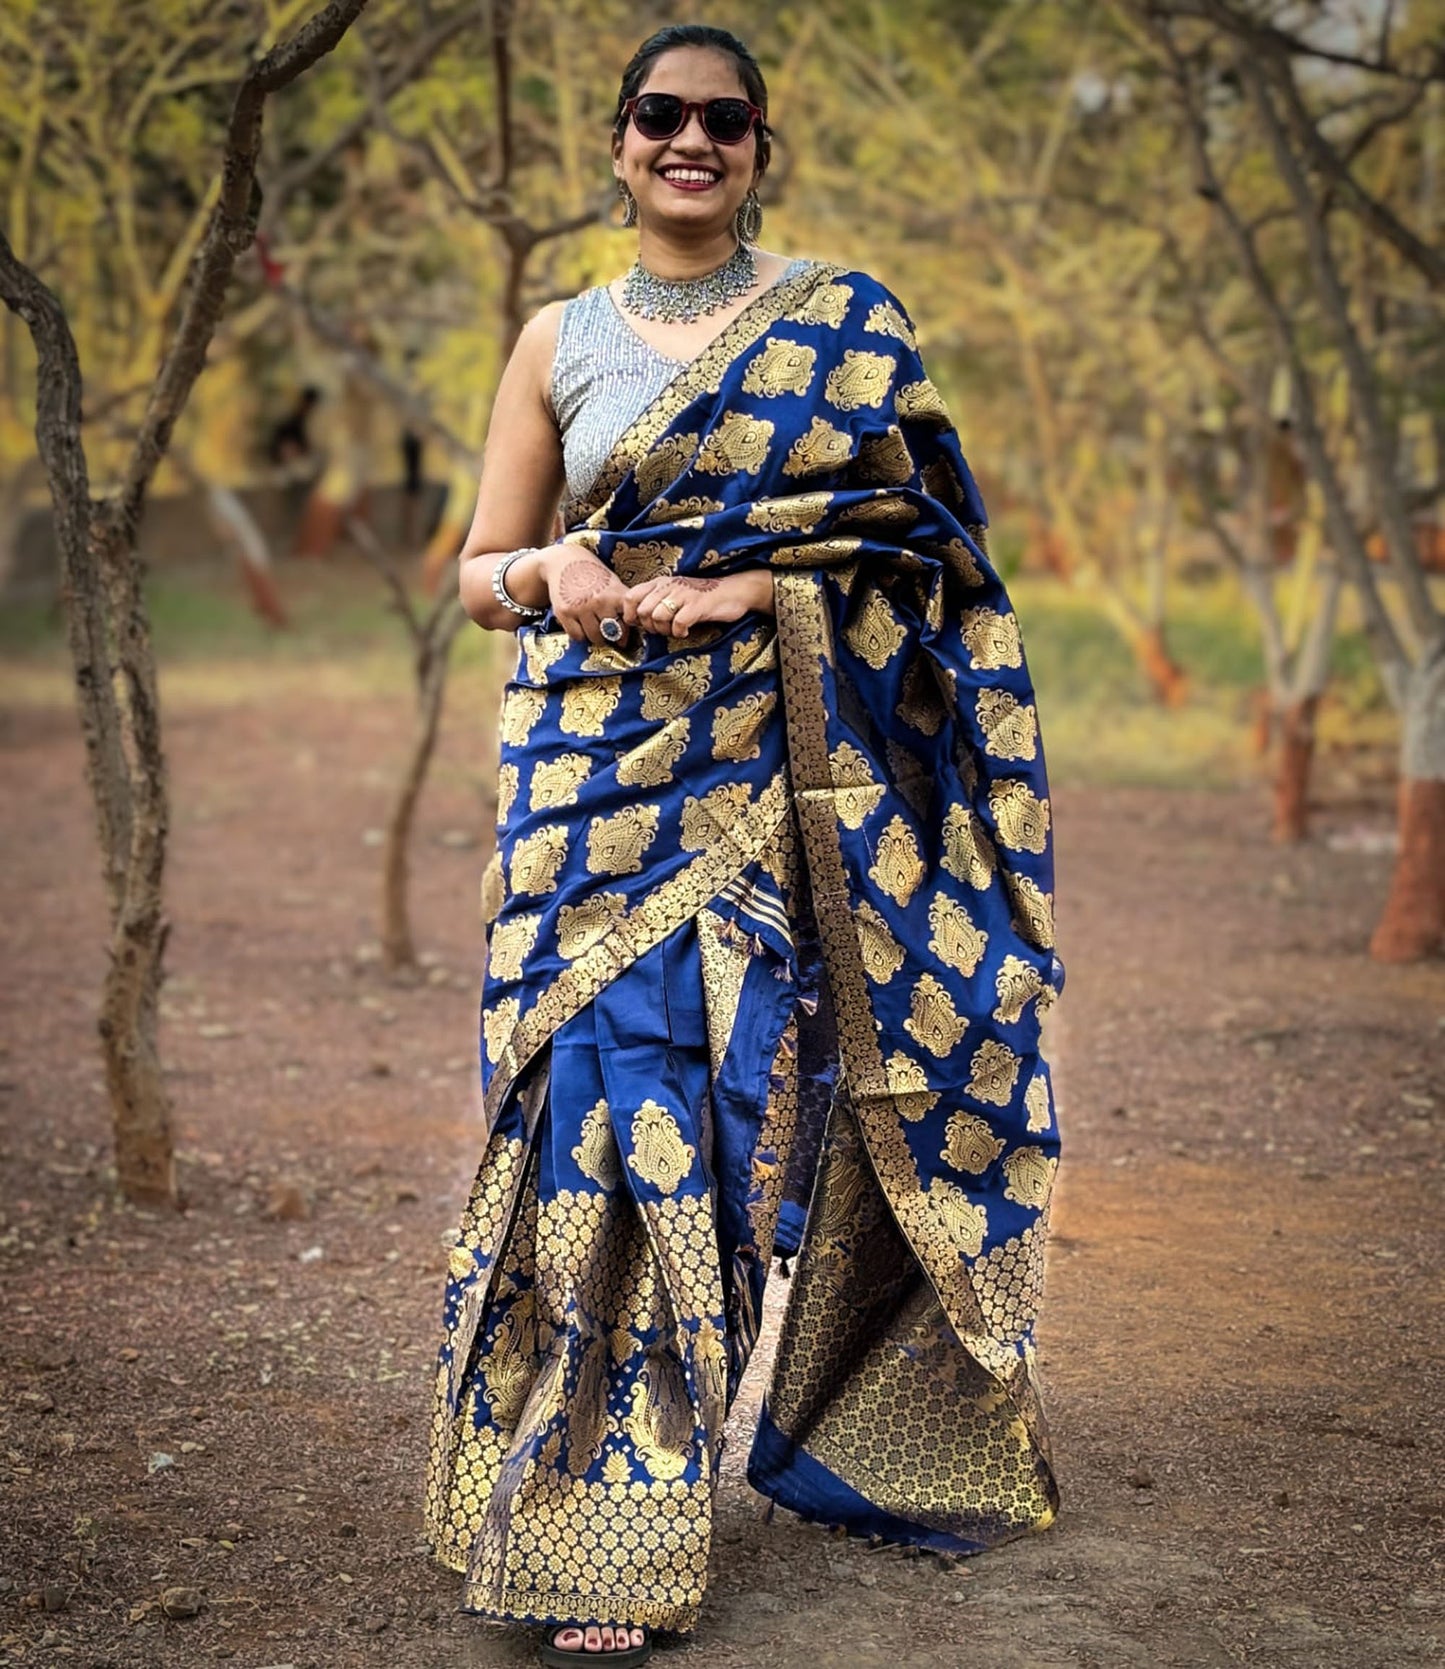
(593, 1638)
(638, 1637)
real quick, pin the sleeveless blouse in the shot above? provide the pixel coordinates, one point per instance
(604, 376)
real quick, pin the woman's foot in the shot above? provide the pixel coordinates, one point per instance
(597, 1641)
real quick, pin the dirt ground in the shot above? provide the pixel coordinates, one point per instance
(1241, 1333)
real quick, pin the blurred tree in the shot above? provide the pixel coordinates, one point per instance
(107, 618)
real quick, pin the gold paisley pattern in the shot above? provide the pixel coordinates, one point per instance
(963, 1222)
(995, 1070)
(508, 777)
(541, 650)
(898, 869)
(644, 560)
(858, 792)
(659, 1154)
(920, 402)
(1010, 728)
(799, 514)
(708, 819)
(1036, 1104)
(1022, 818)
(934, 1021)
(683, 511)
(737, 446)
(883, 512)
(875, 634)
(884, 319)
(737, 730)
(537, 859)
(596, 1151)
(827, 305)
(781, 367)
(587, 704)
(616, 844)
(753, 653)
(992, 638)
(510, 945)
(1034, 909)
(970, 1144)
(962, 560)
(659, 1422)
(821, 449)
(682, 685)
(521, 708)
(956, 939)
(884, 460)
(650, 763)
(968, 853)
(908, 1086)
(881, 952)
(499, 1020)
(664, 463)
(859, 379)
(555, 781)
(1017, 984)
(580, 926)
(1030, 1177)
(493, 889)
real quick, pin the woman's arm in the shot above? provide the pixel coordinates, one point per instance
(522, 478)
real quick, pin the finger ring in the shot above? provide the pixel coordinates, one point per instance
(612, 629)
(667, 602)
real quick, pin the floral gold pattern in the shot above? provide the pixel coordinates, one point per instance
(596, 1151)
(884, 319)
(884, 460)
(510, 944)
(738, 445)
(1030, 1177)
(995, 1069)
(1011, 729)
(644, 560)
(685, 682)
(1017, 983)
(992, 639)
(920, 402)
(555, 781)
(934, 1021)
(780, 367)
(875, 633)
(659, 1154)
(667, 460)
(858, 792)
(580, 926)
(587, 704)
(821, 449)
(650, 763)
(861, 378)
(968, 853)
(956, 939)
(798, 514)
(616, 844)
(736, 730)
(971, 1144)
(1022, 818)
(881, 952)
(898, 869)
(536, 860)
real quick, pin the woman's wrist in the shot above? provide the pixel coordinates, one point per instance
(526, 579)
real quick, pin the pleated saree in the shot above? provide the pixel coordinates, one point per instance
(770, 938)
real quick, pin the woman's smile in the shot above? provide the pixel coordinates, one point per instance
(689, 177)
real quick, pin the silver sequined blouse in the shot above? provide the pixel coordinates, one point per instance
(604, 376)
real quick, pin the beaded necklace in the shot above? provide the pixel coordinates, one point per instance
(681, 300)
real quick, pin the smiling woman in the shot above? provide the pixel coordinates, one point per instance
(770, 925)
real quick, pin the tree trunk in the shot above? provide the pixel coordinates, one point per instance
(398, 949)
(140, 1107)
(1167, 679)
(1292, 769)
(1413, 924)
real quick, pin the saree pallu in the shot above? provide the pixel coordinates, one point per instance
(770, 928)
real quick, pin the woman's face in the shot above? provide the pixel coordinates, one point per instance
(688, 185)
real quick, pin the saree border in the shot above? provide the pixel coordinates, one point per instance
(700, 376)
(805, 636)
(647, 924)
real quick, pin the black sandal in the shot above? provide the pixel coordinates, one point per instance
(555, 1658)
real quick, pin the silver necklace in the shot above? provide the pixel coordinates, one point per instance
(681, 300)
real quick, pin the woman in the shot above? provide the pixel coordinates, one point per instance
(770, 924)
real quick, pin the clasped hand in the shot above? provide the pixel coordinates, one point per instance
(584, 592)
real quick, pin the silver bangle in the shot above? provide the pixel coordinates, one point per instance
(505, 597)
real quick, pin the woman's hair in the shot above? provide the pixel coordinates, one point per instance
(716, 40)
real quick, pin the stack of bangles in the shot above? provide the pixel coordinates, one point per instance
(611, 626)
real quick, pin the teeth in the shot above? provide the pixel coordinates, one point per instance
(700, 175)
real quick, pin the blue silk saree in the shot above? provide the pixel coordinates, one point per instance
(770, 939)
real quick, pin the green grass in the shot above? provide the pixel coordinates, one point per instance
(1099, 720)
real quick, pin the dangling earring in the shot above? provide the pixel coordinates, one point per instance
(629, 204)
(749, 221)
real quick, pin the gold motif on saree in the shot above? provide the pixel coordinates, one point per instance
(615, 845)
(882, 954)
(521, 708)
(707, 819)
(580, 926)
(934, 1021)
(920, 402)
(587, 1410)
(650, 763)
(898, 869)
(659, 1154)
(875, 634)
(1036, 1103)
(663, 464)
(828, 305)
(541, 650)
(962, 560)
(821, 449)
(1030, 1177)
(555, 781)
(956, 940)
(780, 367)
(645, 560)
(666, 694)
(660, 1422)
(968, 853)
(510, 945)
(885, 460)
(1010, 728)
(992, 638)
(884, 319)
(921, 705)
(586, 541)
(753, 652)
(883, 511)
(1034, 908)
(507, 1369)
(596, 1151)
(736, 730)
(604, 657)
(800, 513)
(856, 791)
(683, 511)
(499, 1021)
(1017, 982)
(965, 1223)
(616, 1469)
(737, 446)
(493, 889)
(995, 1070)
(1022, 818)
(586, 705)
(940, 481)
(970, 1144)
(908, 1085)
(508, 777)
(860, 378)
(536, 860)
(817, 553)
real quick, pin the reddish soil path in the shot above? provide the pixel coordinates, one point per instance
(1242, 1327)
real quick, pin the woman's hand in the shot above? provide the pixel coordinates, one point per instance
(583, 592)
(672, 606)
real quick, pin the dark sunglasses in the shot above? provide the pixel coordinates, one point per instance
(665, 115)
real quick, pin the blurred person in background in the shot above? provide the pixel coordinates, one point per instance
(769, 925)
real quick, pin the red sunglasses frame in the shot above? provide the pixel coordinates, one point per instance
(757, 117)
